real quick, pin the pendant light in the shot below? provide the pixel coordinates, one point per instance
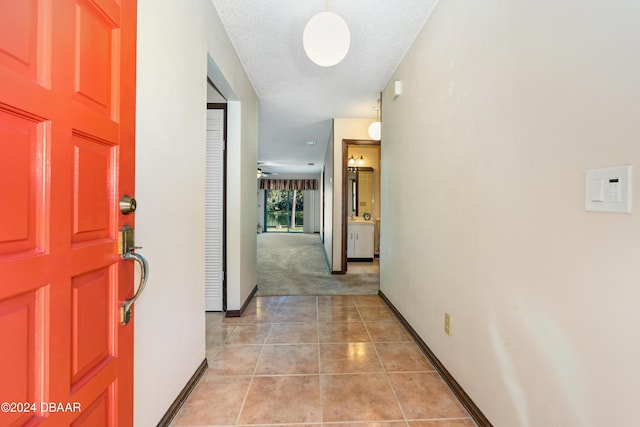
(375, 128)
(326, 38)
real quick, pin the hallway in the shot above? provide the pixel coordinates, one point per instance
(296, 264)
(317, 360)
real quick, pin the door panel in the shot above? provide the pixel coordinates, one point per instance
(19, 325)
(94, 57)
(67, 116)
(91, 335)
(214, 211)
(21, 154)
(94, 179)
(18, 37)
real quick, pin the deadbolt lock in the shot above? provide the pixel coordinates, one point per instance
(128, 205)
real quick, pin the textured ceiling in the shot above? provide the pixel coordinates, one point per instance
(298, 98)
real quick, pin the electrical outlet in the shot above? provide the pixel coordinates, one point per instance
(447, 323)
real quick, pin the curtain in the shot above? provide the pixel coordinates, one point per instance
(288, 184)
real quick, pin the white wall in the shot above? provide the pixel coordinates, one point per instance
(504, 107)
(241, 189)
(312, 206)
(327, 197)
(173, 42)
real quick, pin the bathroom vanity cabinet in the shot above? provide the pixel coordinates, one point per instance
(360, 240)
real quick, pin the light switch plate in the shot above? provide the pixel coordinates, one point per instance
(608, 190)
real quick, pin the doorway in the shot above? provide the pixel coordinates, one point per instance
(360, 202)
(215, 206)
(284, 211)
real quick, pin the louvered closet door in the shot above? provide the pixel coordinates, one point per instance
(214, 233)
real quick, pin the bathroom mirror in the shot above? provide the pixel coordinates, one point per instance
(360, 191)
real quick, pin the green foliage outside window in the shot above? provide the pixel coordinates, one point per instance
(281, 208)
(279, 200)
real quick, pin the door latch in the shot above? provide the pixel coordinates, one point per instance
(127, 240)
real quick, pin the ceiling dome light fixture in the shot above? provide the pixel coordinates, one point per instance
(375, 131)
(326, 39)
(375, 128)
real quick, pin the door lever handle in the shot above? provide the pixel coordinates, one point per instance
(125, 309)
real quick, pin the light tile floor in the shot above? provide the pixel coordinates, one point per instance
(316, 361)
(364, 267)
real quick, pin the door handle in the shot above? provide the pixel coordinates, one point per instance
(126, 248)
(127, 305)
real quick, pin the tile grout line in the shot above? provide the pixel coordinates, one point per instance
(432, 371)
(319, 361)
(253, 375)
(360, 310)
(384, 370)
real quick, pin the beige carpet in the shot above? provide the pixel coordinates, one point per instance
(295, 264)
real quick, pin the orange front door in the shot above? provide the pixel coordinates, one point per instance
(67, 115)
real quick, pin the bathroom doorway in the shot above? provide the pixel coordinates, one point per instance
(360, 201)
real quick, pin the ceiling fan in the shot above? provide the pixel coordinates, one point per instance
(265, 173)
(262, 173)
